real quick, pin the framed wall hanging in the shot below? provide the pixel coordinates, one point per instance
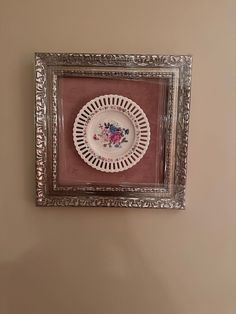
(111, 130)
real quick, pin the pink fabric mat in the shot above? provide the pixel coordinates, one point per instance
(74, 93)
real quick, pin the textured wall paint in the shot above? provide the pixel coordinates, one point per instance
(113, 261)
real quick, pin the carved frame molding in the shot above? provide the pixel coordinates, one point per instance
(177, 69)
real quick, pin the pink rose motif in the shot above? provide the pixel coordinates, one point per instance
(115, 138)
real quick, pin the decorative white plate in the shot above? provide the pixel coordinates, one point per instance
(111, 133)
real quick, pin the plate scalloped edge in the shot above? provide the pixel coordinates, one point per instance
(131, 110)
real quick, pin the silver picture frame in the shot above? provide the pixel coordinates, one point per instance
(175, 69)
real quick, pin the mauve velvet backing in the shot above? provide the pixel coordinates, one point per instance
(74, 93)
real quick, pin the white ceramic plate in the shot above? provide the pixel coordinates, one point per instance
(111, 133)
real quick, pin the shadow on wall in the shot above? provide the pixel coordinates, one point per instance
(103, 273)
(26, 118)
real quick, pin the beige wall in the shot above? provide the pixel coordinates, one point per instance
(112, 261)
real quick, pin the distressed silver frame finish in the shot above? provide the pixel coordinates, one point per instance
(176, 69)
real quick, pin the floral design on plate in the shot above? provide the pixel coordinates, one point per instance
(111, 133)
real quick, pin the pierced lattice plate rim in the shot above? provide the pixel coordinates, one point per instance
(111, 133)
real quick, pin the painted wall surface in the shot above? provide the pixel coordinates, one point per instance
(112, 261)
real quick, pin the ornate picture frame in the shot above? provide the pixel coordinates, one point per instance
(159, 84)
